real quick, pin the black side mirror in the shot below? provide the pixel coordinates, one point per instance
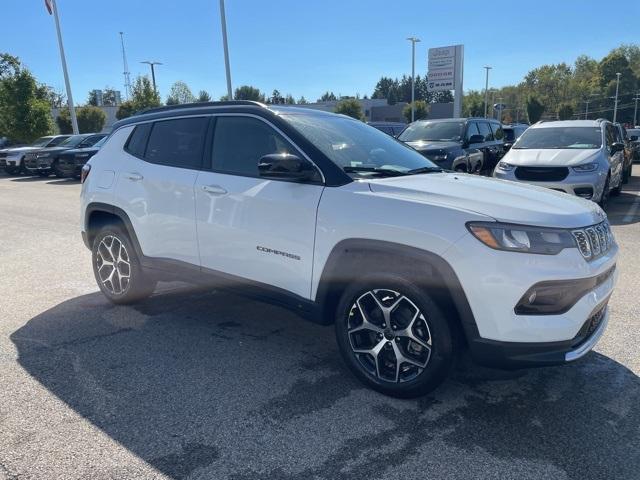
(617, 147)
(285, 166)
(633, 138)
(476, 139)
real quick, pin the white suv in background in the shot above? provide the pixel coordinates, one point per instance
(579, 157)
(348, 226)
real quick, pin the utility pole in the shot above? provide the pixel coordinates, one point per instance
(223, 20)
(53, 8)
(615, 105)
(486, 90)
(586, 108)
(127, 75)
(413, 41)
(153, 72)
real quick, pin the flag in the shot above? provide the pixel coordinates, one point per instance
(49, 5)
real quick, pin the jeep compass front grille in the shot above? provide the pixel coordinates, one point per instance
(542, 174)
(594, 241)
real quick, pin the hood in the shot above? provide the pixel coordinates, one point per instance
(501, 200)
(550, 157)
(10, 151)
(74, 151)
(52, 150)
(431, 145)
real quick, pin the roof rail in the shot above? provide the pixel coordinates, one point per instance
(183, 106)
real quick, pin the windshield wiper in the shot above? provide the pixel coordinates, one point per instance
(417, 171)
(383, 171)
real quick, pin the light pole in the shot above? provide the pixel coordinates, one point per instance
(635, 110)
(223, 20)
(413, 41)
(486, 90)
(615, 105)
(587, 101)
(153, 72)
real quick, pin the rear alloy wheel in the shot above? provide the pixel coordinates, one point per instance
(117, 268)
(394, 337)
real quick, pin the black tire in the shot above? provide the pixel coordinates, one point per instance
(625, 174)
(11, 170)
(43, 173)
(604, 198)
(56, 170)
(416, 381)
(138, 286)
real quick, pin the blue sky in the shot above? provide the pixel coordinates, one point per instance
(305, 47)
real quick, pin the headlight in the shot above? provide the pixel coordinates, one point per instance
(505, 166)
(585, 168)
(522, 238)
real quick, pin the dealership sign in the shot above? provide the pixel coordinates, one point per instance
(443, 65)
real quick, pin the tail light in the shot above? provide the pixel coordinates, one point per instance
(84, 173)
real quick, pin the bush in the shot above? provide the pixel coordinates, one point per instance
(90, 119)
(350, 107)
(421, 110)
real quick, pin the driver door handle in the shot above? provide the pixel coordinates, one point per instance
(133, 176)
(214, 189)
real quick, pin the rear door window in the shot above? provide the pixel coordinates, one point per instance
(178, 142)
(498, 133)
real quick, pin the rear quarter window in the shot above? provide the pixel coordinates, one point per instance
(138, 140)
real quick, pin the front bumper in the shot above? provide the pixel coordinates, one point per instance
(513, 355)
(69, 166)
(585, 185)
(495, 281)
(36, 164)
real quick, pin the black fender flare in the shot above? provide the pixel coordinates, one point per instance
(114, 211)
(434, 272)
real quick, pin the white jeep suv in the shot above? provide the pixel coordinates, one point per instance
(348, 226)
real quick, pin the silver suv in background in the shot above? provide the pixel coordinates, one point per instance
(579, 157)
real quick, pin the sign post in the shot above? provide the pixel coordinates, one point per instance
(445, 72)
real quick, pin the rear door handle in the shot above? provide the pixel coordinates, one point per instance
(133, 176)
(214, 189)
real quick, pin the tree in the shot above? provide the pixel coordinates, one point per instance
(420, 113)
(350, 107)
(289, 100)
(24, 111)
(180, 93)
(302, 101)
(109, 97)
(203, 97)
(90, 119)
(327, 97)
(246, 92)
(383, 86)
(126, 109)
(143, 96)
(535, 109)
(565, 112)
(473, 104)
(276, 97)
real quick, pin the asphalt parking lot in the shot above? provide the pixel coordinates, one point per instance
(201, 385)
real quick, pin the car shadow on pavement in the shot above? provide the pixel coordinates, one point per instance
(30, 179)
(64, 181)
(213, 385)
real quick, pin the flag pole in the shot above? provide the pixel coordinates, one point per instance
(72, 111)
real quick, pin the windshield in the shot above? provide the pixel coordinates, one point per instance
(41, 142)
(433, 132)
(354, 145)
(89, 141)
(560, 137)
(72, 141)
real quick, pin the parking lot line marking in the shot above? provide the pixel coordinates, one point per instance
(632, 210)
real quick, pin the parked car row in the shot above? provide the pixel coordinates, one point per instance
(61, 155)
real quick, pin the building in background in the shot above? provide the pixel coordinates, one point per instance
(374, 109)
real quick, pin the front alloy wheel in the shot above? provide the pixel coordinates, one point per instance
(393, 336)
(389, 335)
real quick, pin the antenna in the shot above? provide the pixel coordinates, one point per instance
(127, 75)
